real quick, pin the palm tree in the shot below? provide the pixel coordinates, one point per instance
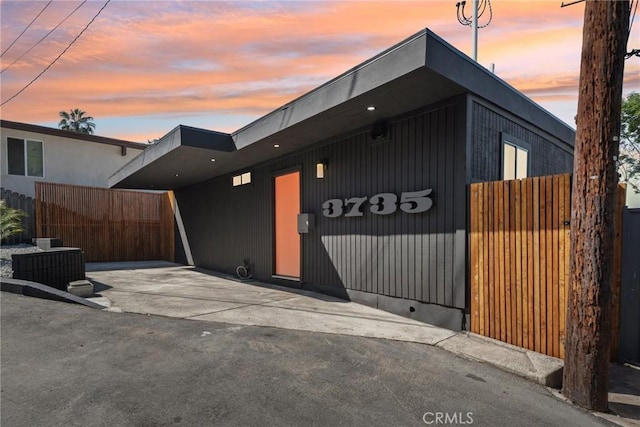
(76, 121)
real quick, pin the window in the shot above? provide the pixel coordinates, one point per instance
(515, 161)
(25, 157)
(242, 179)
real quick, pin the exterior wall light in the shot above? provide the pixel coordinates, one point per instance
(321, 166)
(371, 108)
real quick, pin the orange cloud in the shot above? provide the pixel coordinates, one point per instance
(208, 58)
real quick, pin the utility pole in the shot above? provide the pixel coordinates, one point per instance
(479, 7)
(586, 365)
(474, 29)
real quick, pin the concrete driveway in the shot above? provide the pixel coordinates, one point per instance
(68, 365)
(172, 290)
(177, 291)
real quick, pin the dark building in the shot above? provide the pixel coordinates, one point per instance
(397, 140)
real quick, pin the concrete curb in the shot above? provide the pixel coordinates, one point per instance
(536, 367)
(38, 290)
(128, 265)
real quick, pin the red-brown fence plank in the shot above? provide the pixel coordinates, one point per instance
(564, 214)
(537, 319)
(493, 272)
(488, 270)
(555, 332)
(519, 260)
(475, 264)
(528, 183)
(108, 225)
(482, 291)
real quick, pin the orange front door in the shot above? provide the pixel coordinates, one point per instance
(287, 240)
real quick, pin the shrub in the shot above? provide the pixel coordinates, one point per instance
(10, 220)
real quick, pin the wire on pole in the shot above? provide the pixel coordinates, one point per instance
(479, 8)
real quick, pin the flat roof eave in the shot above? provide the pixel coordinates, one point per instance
(417, 72)
(393, 63)
(28, 127)
(163, 162)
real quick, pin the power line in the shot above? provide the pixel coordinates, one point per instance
(479, 7)
(468, 20)
(59, 56)
(45, 36)
(563, 4)
(633, 8)
(633, 52)
(23, 31)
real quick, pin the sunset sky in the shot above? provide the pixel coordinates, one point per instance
(144, 67)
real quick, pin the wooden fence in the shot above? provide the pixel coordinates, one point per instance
(519, 261)
(108, 225)
(26, 204)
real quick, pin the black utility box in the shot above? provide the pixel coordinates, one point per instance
(56, 267)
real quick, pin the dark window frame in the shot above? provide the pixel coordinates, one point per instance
(24, 170)
(506, 139)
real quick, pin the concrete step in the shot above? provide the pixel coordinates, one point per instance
(81, 288)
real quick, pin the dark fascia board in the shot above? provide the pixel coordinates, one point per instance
(72, 135)
(424, 50)
(179, 137)
(446, 60)
(393, 63)
(202, 138)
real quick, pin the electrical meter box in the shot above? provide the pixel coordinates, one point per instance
(306, 222)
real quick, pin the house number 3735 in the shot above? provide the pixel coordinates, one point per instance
(379, 204)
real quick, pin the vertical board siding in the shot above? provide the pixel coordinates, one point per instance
(519, 261)
(545, 157)
(629, 338)
(410, 256)
(108, 225)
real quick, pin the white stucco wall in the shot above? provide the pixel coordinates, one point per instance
(66, 160)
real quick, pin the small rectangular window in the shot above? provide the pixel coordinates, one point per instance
(15, 156)
(25, 157)
(246, 178)
(522, 161)
(242, 179)
(509, 163)
(515, 161)
(34, 159)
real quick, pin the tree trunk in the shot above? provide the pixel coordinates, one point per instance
(586, 366)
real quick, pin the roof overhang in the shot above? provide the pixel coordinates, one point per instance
(415, 73)
(27, 127)
(181, 157)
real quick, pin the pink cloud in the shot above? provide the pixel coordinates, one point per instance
(148, 58)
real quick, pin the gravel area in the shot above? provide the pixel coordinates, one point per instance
(5, 256)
